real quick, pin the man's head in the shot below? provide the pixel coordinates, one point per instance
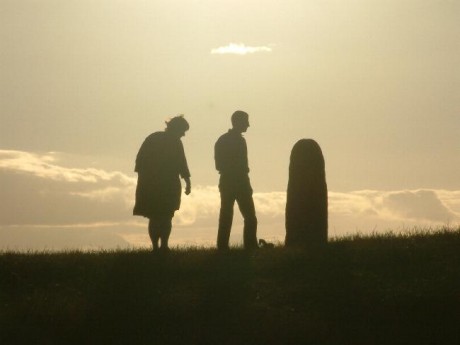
(240, 121)
(177, 126)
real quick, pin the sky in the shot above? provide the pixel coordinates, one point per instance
(82, 83)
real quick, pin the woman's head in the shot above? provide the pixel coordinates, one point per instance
(177, 126)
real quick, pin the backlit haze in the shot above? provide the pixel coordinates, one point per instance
(82, 83)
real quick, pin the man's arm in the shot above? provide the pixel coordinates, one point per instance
(218, 154)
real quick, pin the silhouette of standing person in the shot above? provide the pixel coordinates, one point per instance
(160, 163)
(306, 205)
(231, 158)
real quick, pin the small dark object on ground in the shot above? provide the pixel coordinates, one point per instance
(265, 244)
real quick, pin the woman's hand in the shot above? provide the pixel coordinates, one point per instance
(188, 186)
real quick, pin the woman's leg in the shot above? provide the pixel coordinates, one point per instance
(154, 232)
(165, 230)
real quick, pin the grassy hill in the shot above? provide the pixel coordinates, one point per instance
(364, 290)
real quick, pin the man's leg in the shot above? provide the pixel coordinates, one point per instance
(227, 201)
(246, 205)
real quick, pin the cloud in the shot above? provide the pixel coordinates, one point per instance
(70, 205)
(204, 203)
(358, 211)
(370, 210)
(410, 205)
(201, 206)
(36, 190)
(43, 165)
(418, 205)
(61, 238)
(240, 49)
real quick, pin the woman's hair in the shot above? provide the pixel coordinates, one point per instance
(177, 123)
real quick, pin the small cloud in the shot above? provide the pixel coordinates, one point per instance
(240, 49)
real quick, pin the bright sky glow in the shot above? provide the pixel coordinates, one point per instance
(82, 83)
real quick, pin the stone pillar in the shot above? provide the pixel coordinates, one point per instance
(306, 205)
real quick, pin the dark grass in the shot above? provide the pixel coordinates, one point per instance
(364, 290)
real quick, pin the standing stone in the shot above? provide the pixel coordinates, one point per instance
(306, 206)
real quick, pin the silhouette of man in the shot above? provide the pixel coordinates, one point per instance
(231, 158)
(159, 164)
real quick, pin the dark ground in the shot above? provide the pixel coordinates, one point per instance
(379, 290)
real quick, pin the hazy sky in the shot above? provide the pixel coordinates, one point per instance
(82, 83)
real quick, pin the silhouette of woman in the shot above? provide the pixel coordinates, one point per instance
(306, 206)
(160, 163)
